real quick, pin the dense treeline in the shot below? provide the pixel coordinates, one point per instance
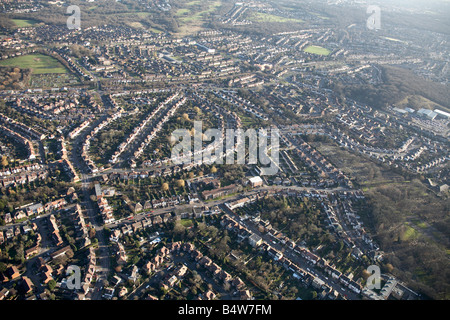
(413, 230)
(398, 84)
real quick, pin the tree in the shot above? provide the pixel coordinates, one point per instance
(180, 183)
(165, 186)
(178, 229)
(4, 161)
(389, 268)
(51, 285)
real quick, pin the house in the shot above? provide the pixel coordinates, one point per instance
(255, 181)
(237, 203)
(115, 235)
(4, 294)
(181, 271)
(136, 226)
(356, 287)
(26, 229)
(172, 280)
(275, 254)
(238, 283)
(27, 285)
(209, 295)
(138, 207)
(205, 261)
(134, 273)
(34, 209)
(19, 215)
(98, 191)
(318, 283)
(109, 293)
(163, 251)
(147, 205)
(157, 220)
(47, 270)
(31, 251)
(196, 255)
(158, 260)
(7, 218)
(225, 276)
(146, 223)
(214, 269)
(9, 233)
(149, 267)
(245, 295)
(12, 273)
(116, 280)
(255, 240)
(197, 212)
(61, 252)
(126, 229)
(220, 192)
(175, 246)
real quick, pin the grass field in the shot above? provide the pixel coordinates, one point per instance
(186, 223)
(417, 102)
(409, 234)
(317, 50)
(266, 17)
(209, 7)
(21, 23)
(39, 63)
(183, 11)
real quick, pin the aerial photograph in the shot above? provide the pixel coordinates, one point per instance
(242, 152)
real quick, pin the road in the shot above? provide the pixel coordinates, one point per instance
(296, 258)
(102, 254)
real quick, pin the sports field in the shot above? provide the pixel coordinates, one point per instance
(317, 50)
(39, 63)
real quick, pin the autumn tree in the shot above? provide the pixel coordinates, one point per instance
(180, 183)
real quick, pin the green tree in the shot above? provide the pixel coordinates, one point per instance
(51, 285)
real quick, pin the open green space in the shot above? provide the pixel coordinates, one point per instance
(409, 233)
(317, 50)
(186, 223)
(267, 17)
(193, 16)
(38, 63)
(21, 23)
